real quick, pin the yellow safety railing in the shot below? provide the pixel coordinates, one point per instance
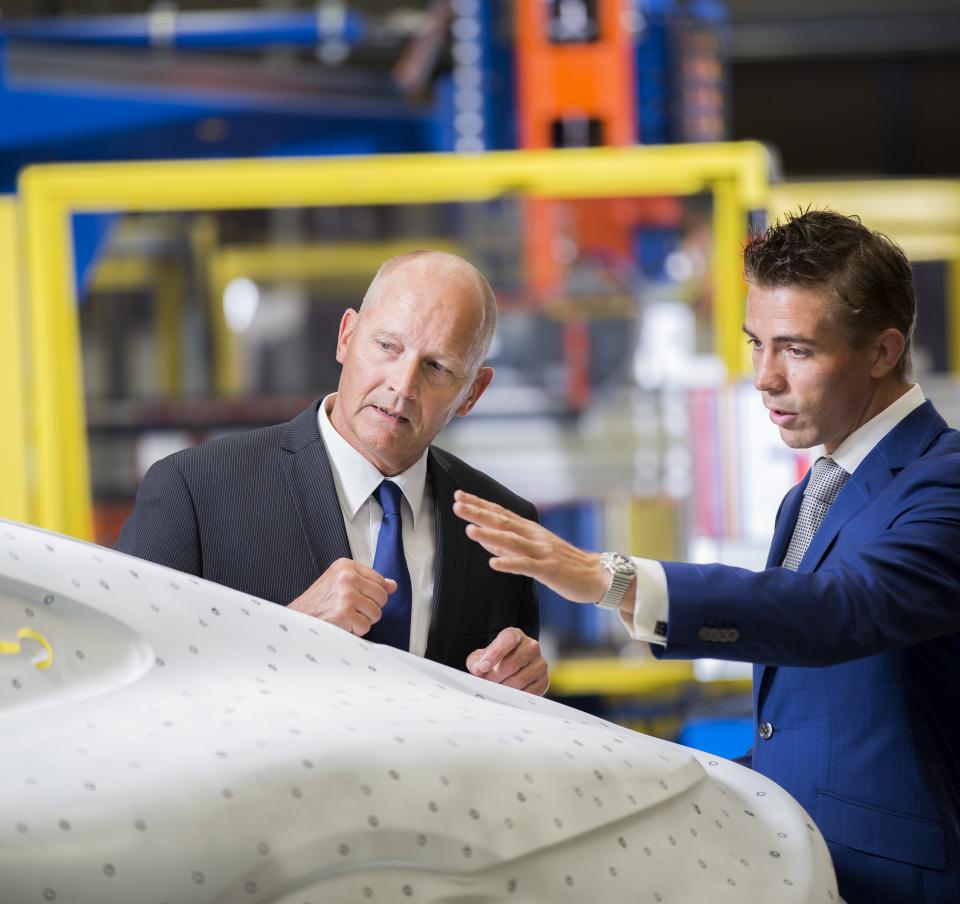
(736, 173)
(165, 281)
(337, 262)
(633, 677)
(13, 449)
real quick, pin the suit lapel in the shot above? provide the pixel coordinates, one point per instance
(897, 449)
(870, 478)
(786, 519)
(313, 492)
(450, 566)
(907, 440)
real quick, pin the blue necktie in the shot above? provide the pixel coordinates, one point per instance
(389, 560)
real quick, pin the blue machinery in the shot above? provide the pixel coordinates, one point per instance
(175, 84)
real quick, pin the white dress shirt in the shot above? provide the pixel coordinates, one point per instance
(652, 600)
(356, 479)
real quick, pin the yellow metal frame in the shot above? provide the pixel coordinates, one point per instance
(13, 449)
(921, 215)
(633, 678)
(737, 173)
(299, 262)
(341, 262)
(605, 675)
(164, 279)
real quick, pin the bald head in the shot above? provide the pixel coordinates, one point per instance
(412, 356)
(442, 267)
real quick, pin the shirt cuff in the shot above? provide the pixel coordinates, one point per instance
(651, 605)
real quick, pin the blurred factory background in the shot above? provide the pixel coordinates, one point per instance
(193, 192)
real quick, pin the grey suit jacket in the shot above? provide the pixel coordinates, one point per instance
(258, 511)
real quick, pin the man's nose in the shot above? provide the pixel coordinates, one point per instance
(768, 376)
(403, 376)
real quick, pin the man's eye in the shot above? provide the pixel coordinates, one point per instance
(752, 341)
(797, 352)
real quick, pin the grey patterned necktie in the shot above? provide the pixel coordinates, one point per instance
(826, 481)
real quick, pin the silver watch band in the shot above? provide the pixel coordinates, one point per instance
(622, 571)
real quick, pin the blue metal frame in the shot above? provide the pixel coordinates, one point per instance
(226, 30)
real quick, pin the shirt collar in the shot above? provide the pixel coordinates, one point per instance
(356, 478)
(859, 444)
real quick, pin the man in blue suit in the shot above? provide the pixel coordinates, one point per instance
(854, 625)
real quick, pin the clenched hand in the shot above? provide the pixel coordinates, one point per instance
(348, 595)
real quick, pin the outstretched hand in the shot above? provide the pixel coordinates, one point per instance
(520, 546)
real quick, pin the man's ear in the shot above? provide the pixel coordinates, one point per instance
(480, 382)
(890, 346)
(348, 325)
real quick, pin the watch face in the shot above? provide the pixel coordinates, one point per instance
(617, 563)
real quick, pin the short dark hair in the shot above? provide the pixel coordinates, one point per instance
(865, 275)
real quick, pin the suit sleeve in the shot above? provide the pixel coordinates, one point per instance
(896, 589)
(163, 527)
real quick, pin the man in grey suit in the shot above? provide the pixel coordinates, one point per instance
(293, 513)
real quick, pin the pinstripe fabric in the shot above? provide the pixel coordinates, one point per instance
(455, 555)
(258, 511)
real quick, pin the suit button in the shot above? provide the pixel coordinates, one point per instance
(766, 731)
(734, 635)
(704, 634)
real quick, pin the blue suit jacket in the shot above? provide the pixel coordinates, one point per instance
(858, 663)
(258, 511)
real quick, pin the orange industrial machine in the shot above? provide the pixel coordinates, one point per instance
(575, 73)
(576, 87)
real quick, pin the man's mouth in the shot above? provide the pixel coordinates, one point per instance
(780, 415)
(392, 415)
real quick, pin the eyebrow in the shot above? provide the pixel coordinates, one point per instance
(799, 340)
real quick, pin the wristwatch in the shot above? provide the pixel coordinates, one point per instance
(622, 571)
